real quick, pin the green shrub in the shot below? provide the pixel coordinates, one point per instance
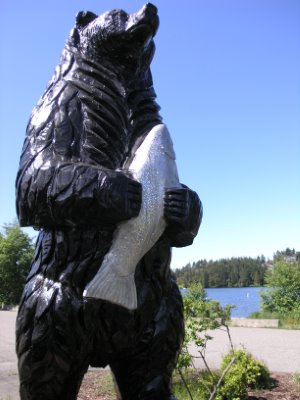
(246, 372)
(284, 293)
(200, 384)
(201, 315)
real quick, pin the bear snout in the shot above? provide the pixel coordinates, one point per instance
(146, 16)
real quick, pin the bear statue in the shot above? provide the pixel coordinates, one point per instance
(72, 187)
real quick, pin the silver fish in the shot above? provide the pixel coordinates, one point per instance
(153, 165)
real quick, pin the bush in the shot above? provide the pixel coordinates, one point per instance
(284, 293)
(246, 372)
(201, 315)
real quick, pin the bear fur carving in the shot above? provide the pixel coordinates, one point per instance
(70, 186)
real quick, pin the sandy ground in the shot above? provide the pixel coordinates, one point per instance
(278, 348)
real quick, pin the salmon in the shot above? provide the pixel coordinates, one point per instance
(154, 166)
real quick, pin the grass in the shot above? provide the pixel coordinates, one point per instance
(199, 384)
(296, 382)
(105, 386)
(99, 385)
(287, 321)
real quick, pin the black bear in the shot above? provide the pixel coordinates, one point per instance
(70, 186)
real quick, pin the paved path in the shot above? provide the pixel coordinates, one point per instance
(278, 348)
(8, 360)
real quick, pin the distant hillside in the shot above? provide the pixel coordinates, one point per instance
(233, 272)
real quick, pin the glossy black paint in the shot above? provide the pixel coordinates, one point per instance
(70, 186)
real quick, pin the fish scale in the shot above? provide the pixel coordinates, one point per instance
(154, 166)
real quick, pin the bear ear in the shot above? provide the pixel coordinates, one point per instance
(83, 18)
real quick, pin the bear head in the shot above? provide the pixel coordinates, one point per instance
(117, 39)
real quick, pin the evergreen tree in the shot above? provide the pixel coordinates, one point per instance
(234, 272)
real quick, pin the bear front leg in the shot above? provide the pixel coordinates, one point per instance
(183, 212)
(76, 195)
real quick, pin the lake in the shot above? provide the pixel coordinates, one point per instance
(246, 300)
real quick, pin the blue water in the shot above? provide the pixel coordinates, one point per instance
(246, 300)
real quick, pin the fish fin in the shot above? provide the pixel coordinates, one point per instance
(116, 289)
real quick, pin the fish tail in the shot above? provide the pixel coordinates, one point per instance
(108, 286)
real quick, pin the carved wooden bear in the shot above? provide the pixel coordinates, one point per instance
(99, 105)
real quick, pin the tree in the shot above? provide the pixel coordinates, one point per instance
(284, 253)
(234, 272)
(16, 251)
(284, 281)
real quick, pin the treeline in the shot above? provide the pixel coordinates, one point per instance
(233, 272)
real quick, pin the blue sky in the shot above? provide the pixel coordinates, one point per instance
(227, 76)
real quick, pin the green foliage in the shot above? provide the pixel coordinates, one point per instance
(201, 315)
(236, 375)
(16, 251)
(105, 386)
(282, 300)
(296, 382)
(246, 372)
(199, 384)
(290, 319)
(287, 253)
(284, 293)
(234, 272)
